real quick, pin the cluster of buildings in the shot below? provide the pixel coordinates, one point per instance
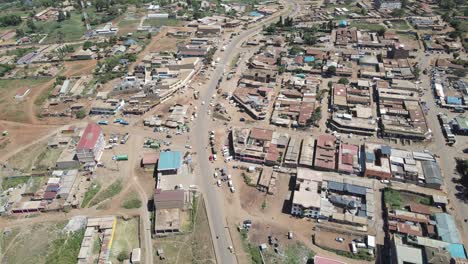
(329, 153)
(423, 233)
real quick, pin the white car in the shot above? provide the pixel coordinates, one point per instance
(218, 182)
(385, 181)
(233, 190)
(203, 102)
(230, 183)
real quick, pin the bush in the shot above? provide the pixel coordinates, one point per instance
(81, 114)
(393, 198)
(123, 256)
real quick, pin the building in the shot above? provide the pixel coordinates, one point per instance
(460, 125)
(110, 107)
(208, 30)
(387, 4)
(432, 174)
(324, 260)
(447, 229)
(348, 159)
(169, 199)
(376, 161)
(404, 254)
(169, 162)
(91, 144)
(397, 51)
(107, 30)
(325, 153)
(149, 161)
(168, 205)
(22, 93)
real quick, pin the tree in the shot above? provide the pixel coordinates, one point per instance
(99, 5)
(271, 29)
(315, 117)
(61, 16)
(398, 12)
(123, 256)
(149, 36)
(416, 72)
(330, 84)
(295, 50)
(364, 11)
(280, 22)
(309, 39)
(19, 32)
(31, 25)
(81, 114)
(331, 70)
(456, 55)
(381, 31)
(87, 45)
(343, 81)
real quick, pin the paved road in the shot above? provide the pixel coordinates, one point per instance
(213, 199)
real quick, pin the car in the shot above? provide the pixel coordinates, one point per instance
(103, 122)
(203, 102)
(385, 181)
(339, 239)
(233, 190)
(179, 186)
(215, 174)
(218, 182)
(242, 119)
(168, 136)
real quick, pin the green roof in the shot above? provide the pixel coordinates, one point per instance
(170, 160)
(462, 122)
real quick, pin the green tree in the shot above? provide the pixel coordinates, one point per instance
(364, 11)
(61, 16)
(30, 24)
(81, 114)
(295, 50)
(398, 12)
(123, 255)
(331, 70)
(460, 73)
(416, 72)
(87, 45)
(343, 81)
(309, 39)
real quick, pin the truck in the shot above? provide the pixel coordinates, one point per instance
(103, 122)
(196, 95)
(125, 123)
(125, 138)
(120, 157)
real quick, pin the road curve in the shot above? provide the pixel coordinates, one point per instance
(213, 199)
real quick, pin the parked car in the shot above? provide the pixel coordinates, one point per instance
(339, 239)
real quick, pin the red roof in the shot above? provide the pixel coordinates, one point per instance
(90, 136)
(150, 158)
(49, 195)
(420, 209)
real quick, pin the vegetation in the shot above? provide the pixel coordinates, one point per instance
(81, 114)
(462, 168)
(132, 203)
(6, 68)
(10, 20)
(123, 255)
(294, 253)
(90, 193)
(65, 249)
(111, 191)
(12, 182)
(393, 198)
(343, 81)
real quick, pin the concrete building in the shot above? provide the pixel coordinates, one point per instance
(325, 153)
(169, 162)
(91, 144)
(387, 4)
(377, 164)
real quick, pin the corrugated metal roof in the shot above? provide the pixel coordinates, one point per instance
(446, 228)
(170, 160)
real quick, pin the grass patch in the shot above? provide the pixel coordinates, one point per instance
(13, 182)
(65, 249)
(24, 160)
(252, 250)
(35, 183)
(44, 96)
(132, 203)
(47, 158)
(360, 25)
(89, 195)
(401, 25)
(19, 52)
(361, 255)
(393, 198)
(161, 22)
(111, 191)
(235, 60)
(248, 180)
(298, 253)
(125, 237)
(68, 30)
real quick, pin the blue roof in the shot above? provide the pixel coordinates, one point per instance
(350, 188)
(370, 157)
(343, 23)
(457, 251)
(454, 100)
(130, 42)
(446, 228)
(170, 160)
(309, 59)
(386, 150)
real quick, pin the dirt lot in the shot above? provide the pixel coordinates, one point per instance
(12, 109)
(190, 247)
(29, 244)
(326, 238)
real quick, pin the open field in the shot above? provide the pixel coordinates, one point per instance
(191, 247)
(11, 109)
(131, 201)
(34, 244)
(68, 30)
(401, 25)
(162, 22)
(125, 238)
(128, 26)
(361, 25)
(107, 193)
(25, 160)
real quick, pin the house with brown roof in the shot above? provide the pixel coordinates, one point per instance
(325, 153)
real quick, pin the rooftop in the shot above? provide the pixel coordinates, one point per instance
(90, 137)
(170, 160)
